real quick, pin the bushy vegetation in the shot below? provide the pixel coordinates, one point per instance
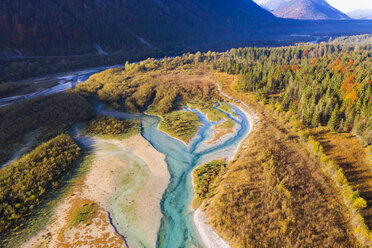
(208, 109)
(181, 124)
(228, 124)
(152, 85)
(25, 183)
(8, 87)
(25, 68)
(54, 113)
(203, 178)
(83, 214)
(226, 108)
(364, 39)
(327, 84)
(111, 126)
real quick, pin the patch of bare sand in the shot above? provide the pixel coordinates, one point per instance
(209, 237)
(146, 215)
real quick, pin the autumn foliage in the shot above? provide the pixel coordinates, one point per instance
(27, 182)
(312, 80)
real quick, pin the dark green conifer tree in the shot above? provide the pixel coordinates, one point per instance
(334, 121)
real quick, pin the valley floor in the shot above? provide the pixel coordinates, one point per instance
(274, 193)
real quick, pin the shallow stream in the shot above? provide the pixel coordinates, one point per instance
(177, 227)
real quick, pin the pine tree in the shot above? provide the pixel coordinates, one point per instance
(316, 118)
(334, 121)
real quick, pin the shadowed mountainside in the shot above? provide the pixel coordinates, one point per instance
(62, 26)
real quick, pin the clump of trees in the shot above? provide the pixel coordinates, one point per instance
(111, 126)
(328, 84)
(180, 124)
(55, 112)
(25, 183)
(83, 213)
(203, 178)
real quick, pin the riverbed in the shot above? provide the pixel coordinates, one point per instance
(177, 227)
(51, 84)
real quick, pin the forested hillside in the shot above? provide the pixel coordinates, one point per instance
(61, 27)
(65, 27)
(327, 84)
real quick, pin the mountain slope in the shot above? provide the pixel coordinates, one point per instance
(303, 9)
(363, 14)
(63, 26)
(271, 5)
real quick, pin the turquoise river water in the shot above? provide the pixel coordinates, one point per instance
(177, 228)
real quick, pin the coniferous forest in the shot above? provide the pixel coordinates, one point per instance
(328, 84)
